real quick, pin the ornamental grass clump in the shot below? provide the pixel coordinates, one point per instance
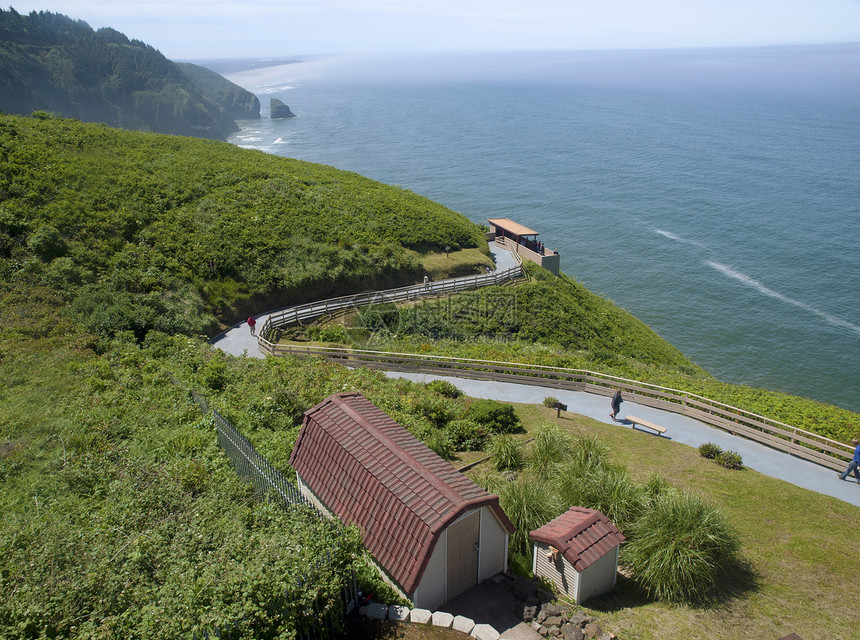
(549, 447)
(680, 548)
(710, 450)
(529, 504)
(729, 460)
(604, 487)
(506, 453)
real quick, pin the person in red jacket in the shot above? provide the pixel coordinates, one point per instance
(251, 324)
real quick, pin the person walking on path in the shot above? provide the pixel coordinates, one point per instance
(616, 404)
(854, 464)
(426, 281)
(252, 324)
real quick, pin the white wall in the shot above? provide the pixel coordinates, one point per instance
(430, 593)
(492, 555)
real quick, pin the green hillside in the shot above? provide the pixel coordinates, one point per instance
(238, 102)
(121, 517)
(141, 231)
(53, 63)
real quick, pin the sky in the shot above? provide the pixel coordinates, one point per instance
(223, 29)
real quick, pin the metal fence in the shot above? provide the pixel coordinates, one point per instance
(319, 621)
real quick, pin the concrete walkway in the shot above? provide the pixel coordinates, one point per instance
(238, 341)
(765, 460)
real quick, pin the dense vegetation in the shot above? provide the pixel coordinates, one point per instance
(555, 321)
(238, 102)
(144, 232)
(53, 63)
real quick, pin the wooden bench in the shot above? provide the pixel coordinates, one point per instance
(645, 423)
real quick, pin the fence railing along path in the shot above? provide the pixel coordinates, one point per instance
(773, 433)
(312, 310)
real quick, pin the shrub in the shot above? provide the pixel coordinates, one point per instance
(440, 444)
(550, 446)
(729, 460)
(710, 450)
(506, 453)
(445, 388)
(589, 451)
(679, 549)
(550, 401)
(609, 489)
(529, 504)
(496, 416)
(467, 435)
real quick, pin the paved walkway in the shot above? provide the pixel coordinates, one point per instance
(680, 428)
(238, 341)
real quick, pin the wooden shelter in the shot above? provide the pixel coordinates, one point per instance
(578, 552)
(432, 532)
(522, 240)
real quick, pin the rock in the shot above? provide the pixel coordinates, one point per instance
(442, 619)
(528, 612)
(463, 624)
(280, 110)
(609, 636)
(551, 609)
(377, 611)
(536, 626)
(552, 630)
(398, 613)
(484, 632)
(571, 632)
(592, 630)
(580, 619)
(553, 621)
(420, 616)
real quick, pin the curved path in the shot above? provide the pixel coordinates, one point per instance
(238, 341)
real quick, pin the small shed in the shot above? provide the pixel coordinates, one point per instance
(432, 532)
(578, 552)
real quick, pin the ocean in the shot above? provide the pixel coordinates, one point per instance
(714, 194)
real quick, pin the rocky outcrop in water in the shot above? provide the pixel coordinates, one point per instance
(280, 110)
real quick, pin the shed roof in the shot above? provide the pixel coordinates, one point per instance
(582, 535)
(514, 227)
(370, 471)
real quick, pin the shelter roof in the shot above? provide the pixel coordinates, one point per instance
(582, 535)
(514, 227)
(370, 471)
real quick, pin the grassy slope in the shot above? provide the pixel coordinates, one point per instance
(799, 545)
(558, 322)
(170, 233)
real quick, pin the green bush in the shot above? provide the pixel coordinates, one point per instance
(467, 435)
(440, 444)
(710, 450)
(729, 460)
(604, 487)
(506, 453)
(550, 402)
(529, 504)
(445, 388)
(496, 416)
(680, 549)
(550, 446)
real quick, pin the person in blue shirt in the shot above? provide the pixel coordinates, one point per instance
(855, 462)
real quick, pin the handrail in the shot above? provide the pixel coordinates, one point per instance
(779, 435)
(794, 440)
(311, 310)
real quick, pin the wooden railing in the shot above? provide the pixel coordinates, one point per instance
(307, 312)
(778, 435)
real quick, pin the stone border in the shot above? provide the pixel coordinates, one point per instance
(400, 613)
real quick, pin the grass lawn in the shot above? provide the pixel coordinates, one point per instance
(801, 547)
(456, 263)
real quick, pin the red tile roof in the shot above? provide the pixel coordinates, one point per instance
(370, 471)
(582, 535)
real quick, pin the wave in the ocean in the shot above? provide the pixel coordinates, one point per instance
(755, 284)
(677, 238)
